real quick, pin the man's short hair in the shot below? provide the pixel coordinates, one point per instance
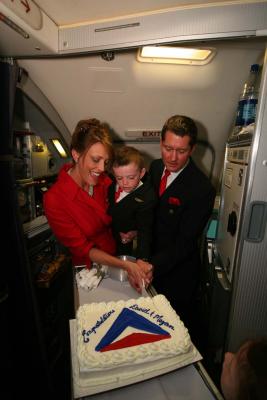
(180, 125)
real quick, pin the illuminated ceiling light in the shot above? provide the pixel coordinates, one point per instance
(175, 55)
(59, 148)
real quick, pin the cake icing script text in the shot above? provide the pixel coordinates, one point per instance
(153, 315)
(157, 317)
(99, 322)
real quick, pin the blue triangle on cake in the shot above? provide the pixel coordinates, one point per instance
(129, 318)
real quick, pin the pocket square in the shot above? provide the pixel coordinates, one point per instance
(174, 201)
(138, 200)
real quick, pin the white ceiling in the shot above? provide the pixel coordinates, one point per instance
(53, 27)
(64, 12)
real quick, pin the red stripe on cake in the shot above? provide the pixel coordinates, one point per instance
(134, 339)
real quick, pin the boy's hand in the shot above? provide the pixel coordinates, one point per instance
(128, 236)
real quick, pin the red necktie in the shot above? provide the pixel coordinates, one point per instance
(163, 182)
(117, 193)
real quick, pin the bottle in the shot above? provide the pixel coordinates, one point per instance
(247, 104)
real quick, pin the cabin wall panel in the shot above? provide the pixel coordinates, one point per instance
(130, 95)
(40, 42)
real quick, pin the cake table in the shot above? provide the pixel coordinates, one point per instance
(189, 382)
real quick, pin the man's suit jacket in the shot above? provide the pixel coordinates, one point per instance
(181, 215)
(133, 212)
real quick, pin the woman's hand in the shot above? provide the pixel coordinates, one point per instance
(136, 275)
(147, 269)
(139, 273)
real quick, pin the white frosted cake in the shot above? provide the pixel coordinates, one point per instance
(122, 342)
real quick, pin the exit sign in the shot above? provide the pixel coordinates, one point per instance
(143, 134)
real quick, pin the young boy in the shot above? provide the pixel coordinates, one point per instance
(131, 204)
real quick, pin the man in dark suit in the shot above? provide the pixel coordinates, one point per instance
(184, 207)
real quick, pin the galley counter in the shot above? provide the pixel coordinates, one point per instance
(190, 382)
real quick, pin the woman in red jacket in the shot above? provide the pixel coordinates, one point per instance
(76, 205)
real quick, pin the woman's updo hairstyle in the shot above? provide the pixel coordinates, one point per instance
(87, 133)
